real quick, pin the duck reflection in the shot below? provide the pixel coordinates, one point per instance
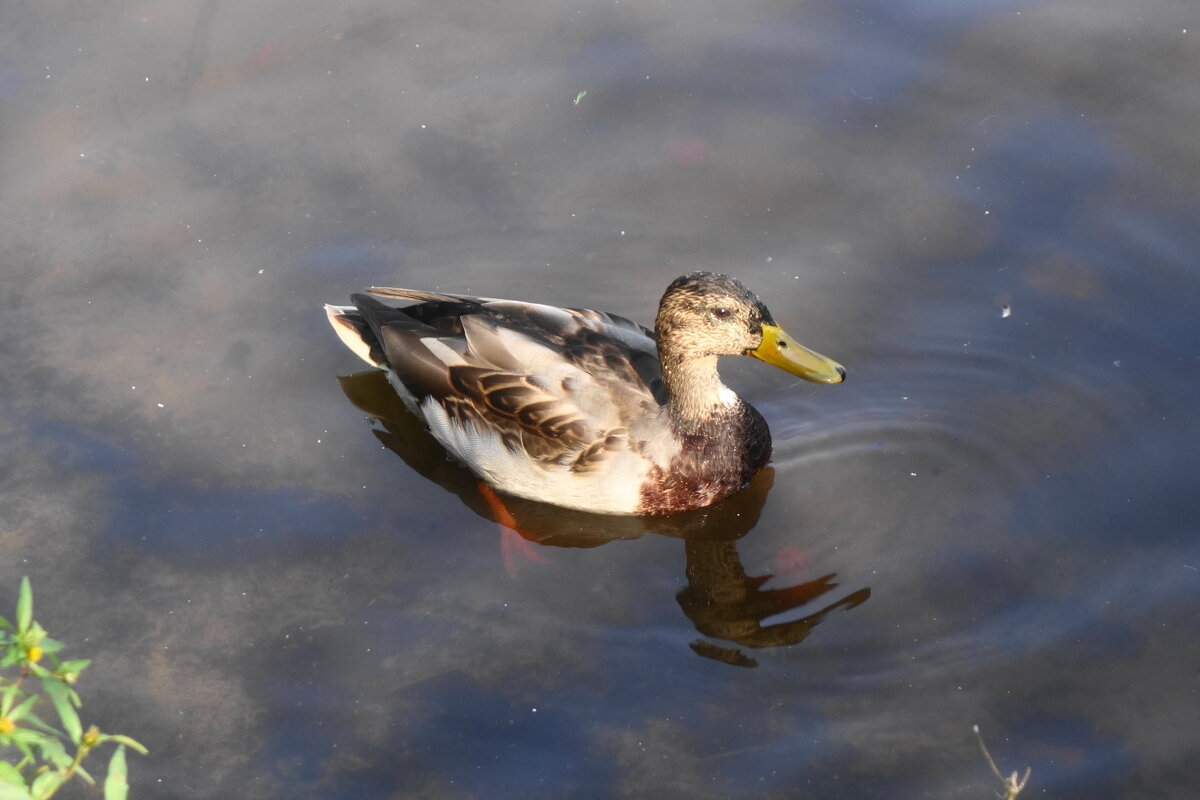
(721, 600)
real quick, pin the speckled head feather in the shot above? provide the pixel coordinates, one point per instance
(708, 314)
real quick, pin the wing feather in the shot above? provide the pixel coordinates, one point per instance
(564, 386)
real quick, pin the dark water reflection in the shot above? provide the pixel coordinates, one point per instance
(720, 599)
(985, 210)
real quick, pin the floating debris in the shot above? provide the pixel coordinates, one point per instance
(1012, 785)
(580, 96)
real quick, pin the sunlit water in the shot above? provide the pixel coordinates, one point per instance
(985, 210)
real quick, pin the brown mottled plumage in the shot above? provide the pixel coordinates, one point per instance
(577, 407)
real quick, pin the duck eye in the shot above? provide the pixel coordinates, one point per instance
(721, 312)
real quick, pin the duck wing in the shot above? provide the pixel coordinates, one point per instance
(562, 386)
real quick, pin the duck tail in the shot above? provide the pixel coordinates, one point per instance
(355, 333)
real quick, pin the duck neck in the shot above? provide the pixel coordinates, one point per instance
(697, 400)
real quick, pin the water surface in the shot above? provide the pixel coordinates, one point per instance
(985, 210)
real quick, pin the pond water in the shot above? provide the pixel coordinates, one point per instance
(986, 210)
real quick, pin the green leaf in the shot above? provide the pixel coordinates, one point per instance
(116, 785)
(83, 773)
(38, 722)
(24, 748)
(20, 711)
(61, 686)
(5, 624)
(10, 774)
(24, 606)
(49, 645)
(25, 736)
(75, 665)
(125, 740)
(37, 670)
(7, 697)
(60, 696)
(54, 753)
(46, 784)
(10, 792)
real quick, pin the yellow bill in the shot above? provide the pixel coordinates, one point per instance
(780, 350)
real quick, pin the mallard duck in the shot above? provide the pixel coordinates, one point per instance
(580, 408)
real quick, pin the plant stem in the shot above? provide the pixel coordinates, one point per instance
(70, 770)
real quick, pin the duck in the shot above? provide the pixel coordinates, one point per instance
(580, 408)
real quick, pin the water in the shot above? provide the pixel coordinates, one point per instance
(985, 210)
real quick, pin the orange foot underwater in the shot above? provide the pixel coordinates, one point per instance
(514, 544)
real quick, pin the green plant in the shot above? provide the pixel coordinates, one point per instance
(45, 764)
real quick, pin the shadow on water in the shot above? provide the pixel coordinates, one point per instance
(721, 600)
